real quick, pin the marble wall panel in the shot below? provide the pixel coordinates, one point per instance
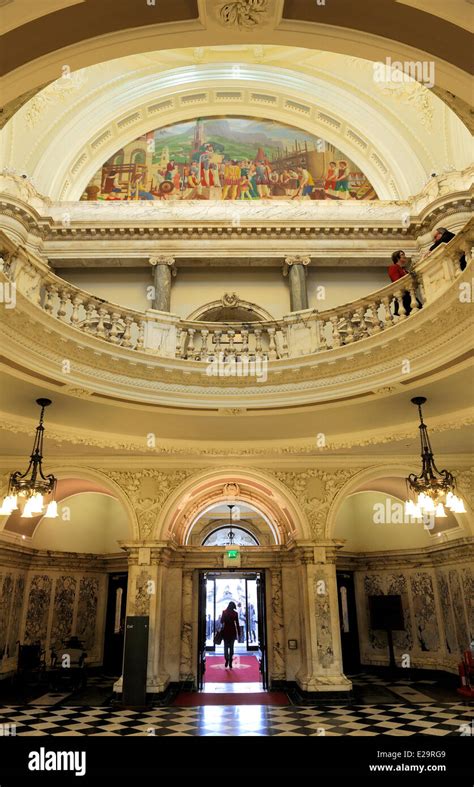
(17, 606)
(467, 579)
(39, 599)
(459, 611)
(323, 620)
(444, 595)
(64, 596)
(87, 611)
(6, 595)
(144, 588)
(397, 585)
(424, 610)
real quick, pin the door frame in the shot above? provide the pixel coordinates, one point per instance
(261, 575)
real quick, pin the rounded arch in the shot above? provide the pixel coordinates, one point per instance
(73, 480)
(205, 32)
(92, 476)
(391, 162)
(203, 490)
(244, 310)
(361, 481)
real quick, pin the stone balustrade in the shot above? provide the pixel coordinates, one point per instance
(294, 335)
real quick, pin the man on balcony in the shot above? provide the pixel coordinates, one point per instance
(396, 271)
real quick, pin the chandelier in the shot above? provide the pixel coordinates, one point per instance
(26, 490)
(435, 488)
(230, 534)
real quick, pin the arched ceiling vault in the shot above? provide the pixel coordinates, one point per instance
(72, 127)
(37, 45)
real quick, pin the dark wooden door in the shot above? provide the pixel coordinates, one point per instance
(348, 622)
(115, 623)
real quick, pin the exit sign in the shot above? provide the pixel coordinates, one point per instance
(232, 553)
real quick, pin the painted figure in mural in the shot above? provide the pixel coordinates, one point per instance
(330, 182)
(342, 180)
(230, 158)
(263, 177)
(305, 183)
(111, 183)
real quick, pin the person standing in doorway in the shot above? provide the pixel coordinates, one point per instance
(241, 614)
(230, 631)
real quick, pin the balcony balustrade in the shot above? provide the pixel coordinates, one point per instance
(294, 335)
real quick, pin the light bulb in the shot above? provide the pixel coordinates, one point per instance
(37, 503)
(51, 510)
(27, 512)
(409, 507)
(426, 504)
(439, 511)
(6, 508)
(450, 500)
(458, 506)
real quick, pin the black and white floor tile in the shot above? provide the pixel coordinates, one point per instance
(400, 719)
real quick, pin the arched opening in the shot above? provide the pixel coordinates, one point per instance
(248, 525)
(71, 598)
(391, 560)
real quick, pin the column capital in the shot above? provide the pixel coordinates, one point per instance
(163, 259)
(295, 259)
(298, 259)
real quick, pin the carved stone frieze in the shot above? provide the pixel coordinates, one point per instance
(147, 490)
(315, 489)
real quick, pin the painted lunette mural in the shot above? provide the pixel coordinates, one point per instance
(229, 158)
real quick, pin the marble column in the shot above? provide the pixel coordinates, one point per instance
(321, 668)
(163, 269)
(146, 580)
(278, 672)
(186, 671)
(295, 269)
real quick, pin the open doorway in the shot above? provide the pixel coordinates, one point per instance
(248, 673)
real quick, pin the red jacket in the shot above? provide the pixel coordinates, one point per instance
(396, 272)
(230, 619)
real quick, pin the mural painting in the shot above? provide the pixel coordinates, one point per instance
(229, 158)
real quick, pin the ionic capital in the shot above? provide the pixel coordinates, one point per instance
(295, 259)
(163, 259)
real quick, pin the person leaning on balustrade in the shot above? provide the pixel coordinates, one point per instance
(442, 235)
(397, 271)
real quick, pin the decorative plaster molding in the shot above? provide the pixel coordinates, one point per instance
(147, 506)
(315, 505)
(244, 13)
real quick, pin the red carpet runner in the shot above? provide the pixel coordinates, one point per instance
(198, 698)
(245, 669)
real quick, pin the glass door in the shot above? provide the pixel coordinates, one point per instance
(262, 629)
(201, 631)
(251, 613)
(210, 612)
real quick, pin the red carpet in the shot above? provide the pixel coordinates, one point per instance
(195, 699)
(245, 669)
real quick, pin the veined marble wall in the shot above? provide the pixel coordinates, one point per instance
(12, 588)
(438, 608)
(49, 606)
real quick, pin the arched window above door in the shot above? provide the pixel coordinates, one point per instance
(220, 537)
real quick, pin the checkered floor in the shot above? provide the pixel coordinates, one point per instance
(399, 719)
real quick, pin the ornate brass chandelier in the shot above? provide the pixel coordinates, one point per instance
(231, 534)
(434, 488)
(27, 490)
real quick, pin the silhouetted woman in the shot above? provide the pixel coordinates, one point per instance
(230, 631)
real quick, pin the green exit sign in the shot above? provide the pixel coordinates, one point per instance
(233, 553)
